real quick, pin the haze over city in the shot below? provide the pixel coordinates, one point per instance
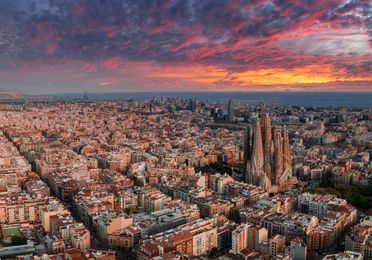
(185, 45)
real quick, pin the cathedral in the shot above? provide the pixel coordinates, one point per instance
(268, 157)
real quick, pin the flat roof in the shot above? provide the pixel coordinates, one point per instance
(11, 231)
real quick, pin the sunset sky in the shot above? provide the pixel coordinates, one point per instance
(49, 46)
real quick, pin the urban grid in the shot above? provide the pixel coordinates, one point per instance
(172, 178)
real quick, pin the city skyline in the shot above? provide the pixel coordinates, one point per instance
(185, 129)
(127, 46)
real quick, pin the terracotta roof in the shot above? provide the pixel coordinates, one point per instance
(180, 237)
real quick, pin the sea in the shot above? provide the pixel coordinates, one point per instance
(307, 99)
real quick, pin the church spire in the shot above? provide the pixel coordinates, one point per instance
(278, 157)
(287, 160)
(256, 170)
(267, 145)
(268, 157)
(257, 151)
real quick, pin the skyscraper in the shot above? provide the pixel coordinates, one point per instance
(230, 111)
(192, 104)
(86, 98)
(268, 157)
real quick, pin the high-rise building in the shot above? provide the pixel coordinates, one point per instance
(86, 98)
(268, 157)
(192, 104)
(230, 111)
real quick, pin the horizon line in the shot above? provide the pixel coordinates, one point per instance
(186, 91)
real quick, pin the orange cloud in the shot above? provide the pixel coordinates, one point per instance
(301, 75)
(209, 76)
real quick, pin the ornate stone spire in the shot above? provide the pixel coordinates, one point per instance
(287, 160)
(267, 146)
(257, 150)
(268, 156)
(278, 157)
(257, 159)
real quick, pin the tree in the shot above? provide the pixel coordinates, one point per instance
(18, 240)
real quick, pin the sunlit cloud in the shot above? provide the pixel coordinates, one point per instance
(129, 45)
